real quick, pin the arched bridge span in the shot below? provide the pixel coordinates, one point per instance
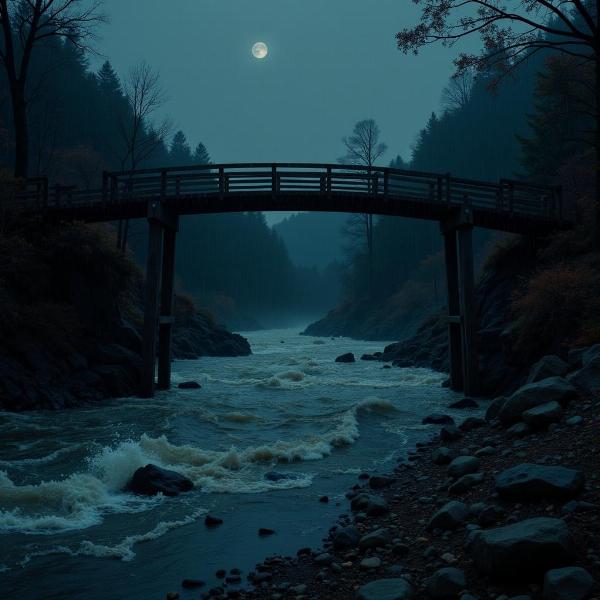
(163, 195)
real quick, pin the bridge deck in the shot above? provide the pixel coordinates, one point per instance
(507, 205)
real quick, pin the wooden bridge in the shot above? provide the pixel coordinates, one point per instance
(163, 195)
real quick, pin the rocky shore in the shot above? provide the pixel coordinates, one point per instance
(502, 505)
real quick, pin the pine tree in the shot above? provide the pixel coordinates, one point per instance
(180, 153)
(201, 155)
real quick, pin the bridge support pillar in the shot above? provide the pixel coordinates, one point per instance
(462, 318)
(158, 319)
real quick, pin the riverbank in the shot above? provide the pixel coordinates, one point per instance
(71, 317)
(491, 537)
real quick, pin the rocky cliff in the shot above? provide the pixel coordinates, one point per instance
(71, 318)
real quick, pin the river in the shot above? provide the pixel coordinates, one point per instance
(68, 531)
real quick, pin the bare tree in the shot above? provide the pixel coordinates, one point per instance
(25, 26)
(363, 148)
(458, 91)
(511, 32)
(145, 96)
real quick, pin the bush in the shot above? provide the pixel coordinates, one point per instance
(558, 309)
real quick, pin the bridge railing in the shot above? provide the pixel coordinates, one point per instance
(507, 196)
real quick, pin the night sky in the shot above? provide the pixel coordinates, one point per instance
(331, 63)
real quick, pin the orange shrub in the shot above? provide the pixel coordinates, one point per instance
(559, 308)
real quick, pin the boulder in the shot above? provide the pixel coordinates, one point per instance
(386, 589)
(464, 403)
(189, 385)
(375, 539)
(446, 584)
(519, 430)
(345, 358)
(276, 476)
(541, 416)
(581, 356)
(452, 515)
(548, 366)
(530, 482)
(370, 504)
(465, 483)
(471, 423)
(151, 480)
(376, 482)
(568, 583)
(463, 465)
(438, 419)
(346, 538)
(588, 377)
(491, 515)
(450, 433)
(371, 562)
(534, 394)
(494, 408)
(442, 456)
(522, 550)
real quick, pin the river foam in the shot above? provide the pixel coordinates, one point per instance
(83, 499)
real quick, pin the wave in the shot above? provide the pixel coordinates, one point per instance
(123, 550)
(82, 500)
(77, 502)
(42, 460)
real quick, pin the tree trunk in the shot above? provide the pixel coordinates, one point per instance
(21, 130)
(596, 233)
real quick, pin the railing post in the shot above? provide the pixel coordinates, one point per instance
(104, 186)
(386, 182)
(440, 189)
(375, 184)
(274, 186)
(559, 198)
(328, 181)
(163, 184)
(177, 185)
(511, 198)
(221, 182)
(45, 191)
(448, 188)
(114, 189)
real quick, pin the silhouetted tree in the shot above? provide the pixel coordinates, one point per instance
(201, 155)
(458, 91)
(25, 26)
(180, 153)
(512, 33)
(560, 126)
(145, 96)
(363, 148)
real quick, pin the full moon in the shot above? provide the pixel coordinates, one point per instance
(260, 50)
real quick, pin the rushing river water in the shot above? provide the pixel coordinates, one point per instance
(67, 530)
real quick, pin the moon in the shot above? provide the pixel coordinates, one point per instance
(260, 50)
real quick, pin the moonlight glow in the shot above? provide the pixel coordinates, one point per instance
(260, 50)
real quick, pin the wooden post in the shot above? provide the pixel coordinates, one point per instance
(166, 319)
(468, 310)
(152, 291)
(454, 320)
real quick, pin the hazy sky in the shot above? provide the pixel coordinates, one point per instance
(331, 63)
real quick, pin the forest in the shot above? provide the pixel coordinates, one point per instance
(84, 122)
